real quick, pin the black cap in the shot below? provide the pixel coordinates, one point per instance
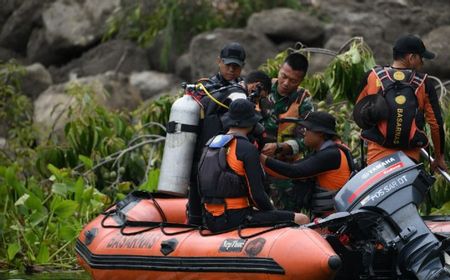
(242, 113)
(320, 122)
(412, 44)
(233, 53)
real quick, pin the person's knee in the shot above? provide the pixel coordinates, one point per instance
(301, 219)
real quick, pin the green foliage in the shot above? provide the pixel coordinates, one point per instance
(16, 116)
(15, 108)
(317, 85)
(39, 222)
(52, 190)
(182, 19)
(179, 20)
(342, 76)
(347, 69)
(110, 148)
(440, 192)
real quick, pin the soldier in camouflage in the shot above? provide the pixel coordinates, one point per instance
(286, 100)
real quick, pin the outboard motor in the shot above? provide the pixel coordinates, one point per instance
(179, 146)
(391, 189)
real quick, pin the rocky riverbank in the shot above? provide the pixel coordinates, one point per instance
(59, 41)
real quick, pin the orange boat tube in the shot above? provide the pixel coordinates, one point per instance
(110, 249)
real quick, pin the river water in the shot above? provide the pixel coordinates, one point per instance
(72, 275)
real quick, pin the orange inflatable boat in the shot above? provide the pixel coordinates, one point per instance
(147, 249)
(376, 233)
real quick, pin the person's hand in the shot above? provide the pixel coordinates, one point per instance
(438, 162)
(262, 159)
(269, 149)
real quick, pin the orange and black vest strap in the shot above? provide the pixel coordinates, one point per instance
(322, 198)
(215, 179)
(228, 175)
(243, 159)
(348, 156)
(232, 203)
(285, 129)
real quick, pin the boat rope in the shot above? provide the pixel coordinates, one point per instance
(204, 231)
(123, 224)
(108, 214)
(148, 226)
(123, 232)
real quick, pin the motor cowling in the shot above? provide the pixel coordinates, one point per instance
(179, 146)
(392, 188)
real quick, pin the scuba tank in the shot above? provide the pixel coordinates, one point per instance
(179, 146)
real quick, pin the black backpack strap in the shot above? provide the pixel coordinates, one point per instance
(349, 157)
(385, 75)
(417, 80)
(382, 74)
(379, 71)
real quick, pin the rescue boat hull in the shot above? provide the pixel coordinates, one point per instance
(110, 252)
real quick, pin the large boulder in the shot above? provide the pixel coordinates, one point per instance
(162, 55)
(438, 41)
(17, 28)
(68, 28)
(110, 89)
(283, 24)
(8, 7)
(36, 80)
(50, 109)
(380, 22)
(205, 48)
(183, 67)
(72, 23)
(151, 83)
(39, 50)
(116, 55)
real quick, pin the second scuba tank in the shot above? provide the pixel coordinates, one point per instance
(179, 147)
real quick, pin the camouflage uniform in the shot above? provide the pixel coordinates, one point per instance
(282, 191)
